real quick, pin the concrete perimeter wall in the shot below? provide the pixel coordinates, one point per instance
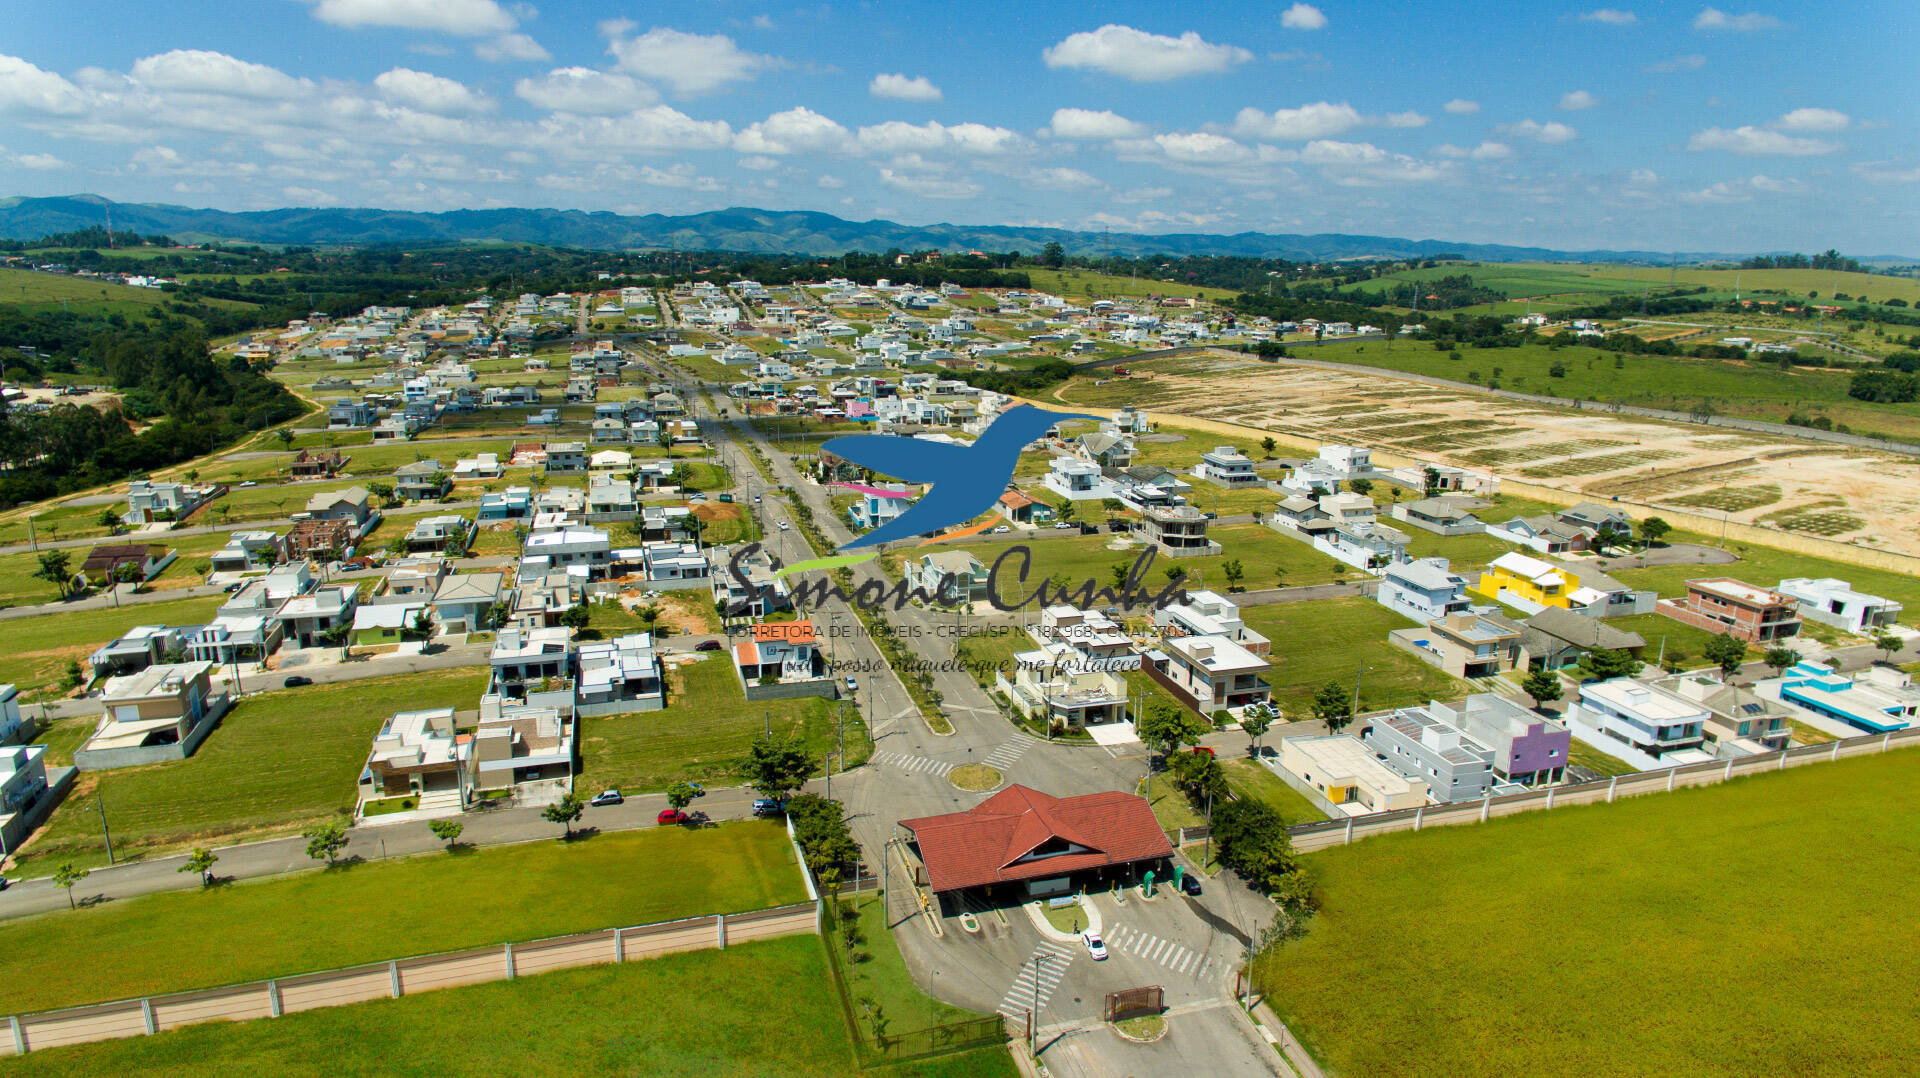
(390, 980)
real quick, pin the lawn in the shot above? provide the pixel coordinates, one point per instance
(703, 733)
(1252, 781)
(1767, 566)
(1686, 933)
(345, 916)
(596, 1020)
(881, 974)
(279, 761)
(1328, 640)
(1259, 550)
(1170, 805)
(43, 644)
(40, 291)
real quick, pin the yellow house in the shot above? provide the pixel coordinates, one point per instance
(1524, 581)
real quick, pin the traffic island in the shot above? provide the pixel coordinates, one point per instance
(1141, 1029)
(977, 778)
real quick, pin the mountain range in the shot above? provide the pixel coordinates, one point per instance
(737, 229)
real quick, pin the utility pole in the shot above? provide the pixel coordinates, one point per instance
(100, 801)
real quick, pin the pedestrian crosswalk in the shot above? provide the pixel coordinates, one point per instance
(1129, 940)
(1008, 754)
(919, 765)
(1038, 977)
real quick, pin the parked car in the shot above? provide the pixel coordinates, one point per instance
(853, 684)
(1191, 885)
(767, 806)
(1202, 750)
(783, 525)
(250, 483)
(1001, 528)
(233, 587)
(296, 681)
(671, 815)
(699, 790)
(1096, 947)
(607, 797)
(1063, 524)
(696, 497)
(709, 645)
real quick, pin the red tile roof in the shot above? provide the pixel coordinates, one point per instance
(986, 844)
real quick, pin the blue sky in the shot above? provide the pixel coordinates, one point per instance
(1780, 126)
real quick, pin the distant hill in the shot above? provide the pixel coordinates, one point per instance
(735, 229)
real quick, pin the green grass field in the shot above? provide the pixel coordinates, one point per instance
(1694, 933)
(42, 291)
(279, 761)
(1085, 284)
(610, 1020)
(1259, 550)
(1329, 640)
(703, 733)
(43, 644)
(345, 916)
(1251, 780)
(1767, 566)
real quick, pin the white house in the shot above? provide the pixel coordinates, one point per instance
(1832, 601)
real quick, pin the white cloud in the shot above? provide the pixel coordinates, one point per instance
(796, 130)
(902, 88)
(1553, 133)
(682, 176)
(511, 47)
(1200, 147)
(1362, 164)
(1711, 18)
(39, 162)
(307, 196)
(1777, 187)
(1059, 179)
(1884, 172)
(1143, 57)
(1692, 61)
(656, 129)
(30, 89)
(1303, 17)
(1408, 118)
(1643, 177)
(1486, 151)
(1752, 141)
(926, 185)
(758, 163)
(831, 183)
(1093, 124)
(689, 63)
(1813, 119)
(197, 71)
(1306, 122)
(158, 158)
(466, 18)
(1611, 16)
(1733, 191)
(895, 136)
(1577, 100)
(1460, 106)
(428, 92)
(586, 91)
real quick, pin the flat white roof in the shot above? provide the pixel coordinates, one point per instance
(1645, 701)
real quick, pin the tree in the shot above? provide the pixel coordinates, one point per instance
(1888, 644)
(1333, 706)
(1653, 529)
(649, 615)
(1199, 776)
(66, 876)
(108, 519)
(820, 827)
(1065, 511)
(1360, 486)
(1053, 255)
(681, 794)
(1234, 572)
(1605, 663)
(1255, 722)
(285, 434)
(576, 616)
(382, 491)
(1268, 445)
(1727, 653)
(1279, 575)
(1781, 658)
(1166, 726)
(1118, 572)
(421, 627)
(778, 764)
(1431, 478)
(54, 569)
(201, 860)
(1251, 838)
(325, 841)
(564, 812)
(447, 831)
(338, 636)
(1543, 685)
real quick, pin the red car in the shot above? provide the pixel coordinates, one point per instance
(672, 815)
(1202, 750)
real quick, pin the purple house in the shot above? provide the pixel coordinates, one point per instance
(1529, 749)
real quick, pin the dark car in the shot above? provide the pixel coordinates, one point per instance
(767, 806)
(1191, 885)
(708, 645)
(296, 681)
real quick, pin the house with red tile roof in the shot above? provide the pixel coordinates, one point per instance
(1023, 837)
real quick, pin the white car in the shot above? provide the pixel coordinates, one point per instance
(1001, 528)
(1064, 524)
(1096, 947)
(783, 525)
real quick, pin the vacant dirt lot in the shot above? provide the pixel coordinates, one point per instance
(1847, 494)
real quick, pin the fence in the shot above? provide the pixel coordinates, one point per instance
(1129, 1002)
(1328, 833)
(402, 976)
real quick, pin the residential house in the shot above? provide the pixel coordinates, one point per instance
(1740, 722)
(1605, 521)
(23, 782)
(1417, 744)
(480, 466)
(1529, 749)
(149, 501)
(566, 458)
(138, 648)
(540, 600)
(163, 705)
(436, 532)
(305, 620)
(1651, 720)
(1208, 613)
(388, 620)
(1049, 683)
(417, 754)
(1346, 773)
(1877, 700)
(353, 505)
(1557, 638)
(1527, 583)
(1178, 530)
(346, 415)
(515, 745)
(1091, 639)
(761, 594)
(1422, 590)
(1209, 673)
(1017, 508)
(1831, 601)
(421, 481)
(1725, 605)
(110, 562)
(323, 465)
(1113, 453)
(783, 651)
(462, 602)
(530, 659)
(611, 500)
(1441, 516)
(588, 549)
(872, 510)
(13, 726)
(513, 503)
(248, 550)
(1466, 645)
(317, 538)
(1227, 467)
(622, 674)
(669, 564)
(1544, 533)
(1077, 480)
(949, 576)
